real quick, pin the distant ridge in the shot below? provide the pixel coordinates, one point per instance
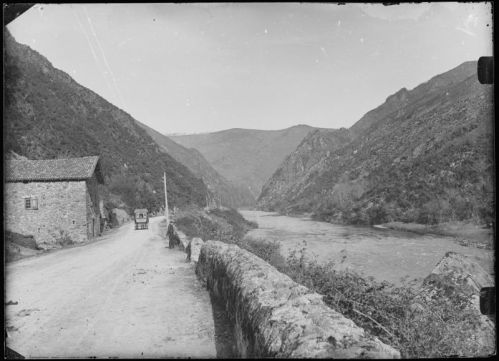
(239, 129)
(224, 192)
(246, 157)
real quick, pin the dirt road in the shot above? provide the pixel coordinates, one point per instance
(127, 295)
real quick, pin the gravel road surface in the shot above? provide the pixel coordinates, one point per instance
(126, 295)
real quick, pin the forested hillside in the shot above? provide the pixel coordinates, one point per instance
(425, 156)
(224, 192)
(48, 115)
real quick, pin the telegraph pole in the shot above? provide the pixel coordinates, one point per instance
(166, 203)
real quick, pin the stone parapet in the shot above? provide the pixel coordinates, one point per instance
(277, 317)
(194, 249)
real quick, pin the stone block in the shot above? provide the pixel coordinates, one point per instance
(194, 249)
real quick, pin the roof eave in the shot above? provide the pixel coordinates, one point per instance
(47, 180)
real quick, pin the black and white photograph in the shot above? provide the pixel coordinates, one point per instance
(249, 180)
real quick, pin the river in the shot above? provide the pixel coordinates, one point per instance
(384, 254)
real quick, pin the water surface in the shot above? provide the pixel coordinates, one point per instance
(382, 253)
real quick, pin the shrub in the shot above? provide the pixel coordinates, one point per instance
(194, 225)
(269, 251)
(173, 239)
(221, 224)
(63, 238)
(238, 223)
(439, 326)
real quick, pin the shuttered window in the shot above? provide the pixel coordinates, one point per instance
(31, 202)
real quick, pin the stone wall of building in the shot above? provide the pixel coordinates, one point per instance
(277, 317)
(92, 205)
(62, 211)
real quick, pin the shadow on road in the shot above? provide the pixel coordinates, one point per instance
(225, 342)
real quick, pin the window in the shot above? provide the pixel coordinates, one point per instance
(31, 203)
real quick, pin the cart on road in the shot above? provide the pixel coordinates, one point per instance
(141, 218)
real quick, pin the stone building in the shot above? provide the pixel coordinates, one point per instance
(55, 200)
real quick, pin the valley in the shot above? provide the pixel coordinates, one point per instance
(224, 192)
(246, 157)
(358, 222)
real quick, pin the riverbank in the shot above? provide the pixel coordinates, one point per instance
(464, 233)
(389, 255)
(419, 326)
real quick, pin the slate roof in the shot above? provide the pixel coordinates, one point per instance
(19, 170)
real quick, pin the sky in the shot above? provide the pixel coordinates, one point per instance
(191, 68)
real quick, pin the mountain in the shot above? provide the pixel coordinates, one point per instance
(246, 157)
(48, 115)
(292, 175)
(224, 192)
(425, 155)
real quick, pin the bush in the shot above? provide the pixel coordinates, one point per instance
(221, 224)
(194, 225)
(240, 226)
(63, 238)
(269, 251)
(439, 326)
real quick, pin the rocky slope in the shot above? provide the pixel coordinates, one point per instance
(224, 192)
(459, 278)
(424, 156)
(292, 176)
(246, 157)
(48, 115)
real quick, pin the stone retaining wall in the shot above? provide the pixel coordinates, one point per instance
(178, 238)
(277, 317)
(194, 249)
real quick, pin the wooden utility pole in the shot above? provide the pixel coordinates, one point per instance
(166, 202)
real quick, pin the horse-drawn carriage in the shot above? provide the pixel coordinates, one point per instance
(141, 218)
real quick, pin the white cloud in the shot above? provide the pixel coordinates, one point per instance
(469, 24)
